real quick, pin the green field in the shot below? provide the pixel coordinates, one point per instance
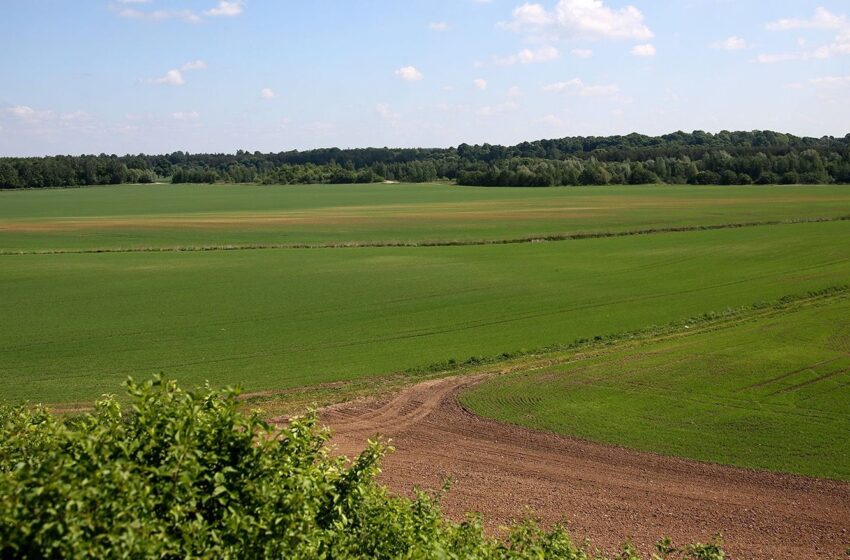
(768, 390)
(74, 324)
(167, 216)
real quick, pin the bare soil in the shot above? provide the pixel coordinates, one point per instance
(606, 494)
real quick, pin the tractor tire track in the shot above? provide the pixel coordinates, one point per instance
(606, 493)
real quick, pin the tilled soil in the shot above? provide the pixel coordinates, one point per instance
(606, 494)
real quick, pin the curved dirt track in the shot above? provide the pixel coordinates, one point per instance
(607, 494)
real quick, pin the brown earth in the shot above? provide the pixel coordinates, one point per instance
(607, 494)
(274, 221)
(567, 207)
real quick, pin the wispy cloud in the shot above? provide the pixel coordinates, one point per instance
(732, 43)
(171, 78)
(194, 65)
(823, 20)
(187, 16)
(644, 50)
(577, 87)
(133, 9)
(185, 116)
(510, 104)
(529, 56)
(493, 110)
(409, 74)
(580, 19)
(226, 8)
(174, 77)
(386, 113)
(27, 113)
(831, 81)
(781, 57)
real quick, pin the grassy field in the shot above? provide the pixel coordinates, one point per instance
(767, 390)
(167, 216)
(74, 324)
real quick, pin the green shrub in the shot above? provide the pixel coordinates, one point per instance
(185, 474)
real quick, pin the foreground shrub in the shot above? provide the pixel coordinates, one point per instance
(187, 475)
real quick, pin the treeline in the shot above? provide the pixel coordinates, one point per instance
(762, 157)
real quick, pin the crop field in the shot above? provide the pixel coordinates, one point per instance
(92, 293)
(185, 216)
(769, 389)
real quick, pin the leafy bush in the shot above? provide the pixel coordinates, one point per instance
(185, 474)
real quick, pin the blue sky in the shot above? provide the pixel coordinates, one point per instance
(154, 76)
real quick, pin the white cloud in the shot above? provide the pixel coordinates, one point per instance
(438, 26)
(528, 56)
(409, 74)
(552, 120)
(267, 93)
(21, 111)
(831, 81)
(125, 9)
(784, 57)
(74, 116)
(226, 8)
(175, 77)
(160, 15)
(480, 83)
(571, 19)
(171, 78)
(512, 96)
(643, 50)
(319, 126)
(576, 86)
(492, 110)
(822, 19)
(581, 53)
(27, 113)
(194, 65)
(732, 43)
(530, 16)
(385, 112)
(185, 116)
(26, 118)
(839, 46)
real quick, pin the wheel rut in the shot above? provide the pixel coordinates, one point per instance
(606, 493)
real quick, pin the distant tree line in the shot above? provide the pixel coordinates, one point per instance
(730, 158)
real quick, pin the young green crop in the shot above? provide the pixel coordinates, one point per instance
(196, 216)
(766, 389)
(72, 326)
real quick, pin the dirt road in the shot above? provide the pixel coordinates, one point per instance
(606, 493)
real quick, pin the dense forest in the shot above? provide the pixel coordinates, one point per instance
(761, 157)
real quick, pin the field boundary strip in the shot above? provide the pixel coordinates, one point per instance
(556, 237)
